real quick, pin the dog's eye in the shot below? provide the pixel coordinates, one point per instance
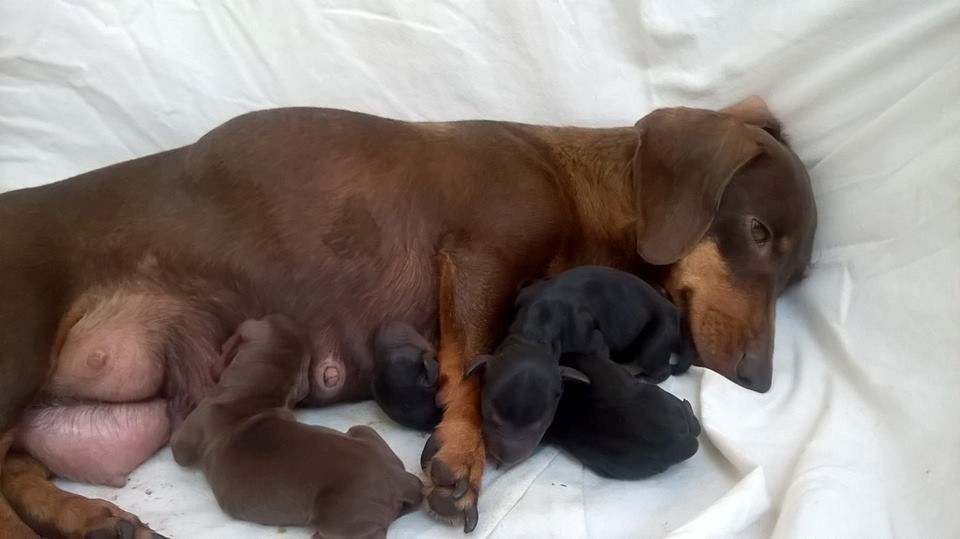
(759, 232)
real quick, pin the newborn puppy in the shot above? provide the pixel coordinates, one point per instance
(265, 467)
(617, 426)
(522, 385)
(585, 310)
(405, 372)
(641, 327)
(620, 427)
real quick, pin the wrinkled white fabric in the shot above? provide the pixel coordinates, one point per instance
(859, 435)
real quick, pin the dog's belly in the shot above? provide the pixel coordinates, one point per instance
(139, 354)
(103, 413)
(110, 403)
(95, 443)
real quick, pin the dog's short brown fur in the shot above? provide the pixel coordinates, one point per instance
(343, 221)
(265, 467)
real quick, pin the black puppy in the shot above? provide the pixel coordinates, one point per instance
(620, 427)
(641, 327)
(405, 371)
(586, 310)
(617, 426)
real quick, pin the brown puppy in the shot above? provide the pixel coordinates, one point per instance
(265, 467)
(118, 286)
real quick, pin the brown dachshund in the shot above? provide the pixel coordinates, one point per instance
(247, 441)
(118, 286)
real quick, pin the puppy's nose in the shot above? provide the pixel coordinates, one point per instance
(508, 453)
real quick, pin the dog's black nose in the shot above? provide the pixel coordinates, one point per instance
(755, 374)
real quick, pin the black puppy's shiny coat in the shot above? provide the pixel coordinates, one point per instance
(405, 373)
(620, 427)
(639, 325)
(586, 310)
(616, 426)
(645, 429)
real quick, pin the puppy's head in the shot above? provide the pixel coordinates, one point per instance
(522, 386)
(405, 378)
(728, 210)
(266, 356)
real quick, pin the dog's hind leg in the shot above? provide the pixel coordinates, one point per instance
(32, 327)
(27, 326)
(54, 512)
(10, 524)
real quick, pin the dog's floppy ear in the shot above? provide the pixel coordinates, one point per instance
(478, 363)
(754, 111)
(685, 159)
(573, 375)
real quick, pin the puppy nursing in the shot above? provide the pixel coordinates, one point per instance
(265, 467)
(591, 311)
(405, 374)
(615, 424)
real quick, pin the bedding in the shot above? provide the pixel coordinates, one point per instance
(858, 436)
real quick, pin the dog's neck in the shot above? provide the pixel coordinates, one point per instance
(595, 166)
(593, 169)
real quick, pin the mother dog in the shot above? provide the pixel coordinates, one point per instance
(118, 286)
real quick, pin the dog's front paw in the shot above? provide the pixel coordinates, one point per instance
(453, 460)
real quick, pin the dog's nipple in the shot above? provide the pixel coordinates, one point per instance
(96, 360)
(331, 376)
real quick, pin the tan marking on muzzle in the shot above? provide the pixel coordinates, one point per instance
(722, 316)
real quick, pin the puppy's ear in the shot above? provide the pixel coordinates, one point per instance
(573, 375)
(478, 363)
(684, 160)
(431, 368)
(229, 347)
(188, 439)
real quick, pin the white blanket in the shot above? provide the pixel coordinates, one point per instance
(859, 435)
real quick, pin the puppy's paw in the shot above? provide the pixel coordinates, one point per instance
(655, 376)
(453, 460)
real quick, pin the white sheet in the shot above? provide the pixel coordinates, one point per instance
(857, 438)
